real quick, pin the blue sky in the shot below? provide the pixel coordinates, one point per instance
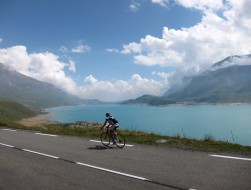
(120, 49)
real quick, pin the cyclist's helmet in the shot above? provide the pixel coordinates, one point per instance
(107, 114)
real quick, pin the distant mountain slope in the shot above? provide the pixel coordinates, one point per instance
(150, 100)
(230, 84)
(17, 87)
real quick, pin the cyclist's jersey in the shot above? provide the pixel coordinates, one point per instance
(111, 120)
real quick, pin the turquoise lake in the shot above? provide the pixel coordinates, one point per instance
(230, 123)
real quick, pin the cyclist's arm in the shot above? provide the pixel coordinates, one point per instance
(104, 124)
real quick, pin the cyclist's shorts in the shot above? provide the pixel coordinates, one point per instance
(114, 127)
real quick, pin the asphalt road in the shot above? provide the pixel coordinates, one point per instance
(34, 161)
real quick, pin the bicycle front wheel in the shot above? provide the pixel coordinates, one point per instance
(105, 139)
(120, 142)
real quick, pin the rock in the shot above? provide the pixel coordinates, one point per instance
(161, 141)
(84, 124)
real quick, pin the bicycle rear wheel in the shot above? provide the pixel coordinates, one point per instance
(105, 139)
(120, 141)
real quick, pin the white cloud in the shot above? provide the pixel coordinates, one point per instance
(79, 47)
(201, 4)
(134, 6)
(163, 3)
(195, 48)
(163, 75)
(41, 66)
(120, 89)
(112, 50)
(72, 66)
(64, 49)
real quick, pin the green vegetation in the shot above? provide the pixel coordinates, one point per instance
(11, 112)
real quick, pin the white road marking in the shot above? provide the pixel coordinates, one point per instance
(231, 157)
(39, 153)
(113, 171)
(46, 134)
(100, 142)
(9, 129)
(7, 145)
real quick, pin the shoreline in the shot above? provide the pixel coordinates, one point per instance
(41, 116)
(38, 120)
(192, 104)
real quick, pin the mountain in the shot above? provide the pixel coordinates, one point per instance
(227, 81)
(219, 84)
(150, 100)
(230, 60)
(17, 87)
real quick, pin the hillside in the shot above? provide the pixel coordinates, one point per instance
(20, 88)
(231, 84)
(12, 111)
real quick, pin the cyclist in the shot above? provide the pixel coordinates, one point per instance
(113, 124)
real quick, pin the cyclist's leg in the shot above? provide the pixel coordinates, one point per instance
(111, 131)
(115, 126)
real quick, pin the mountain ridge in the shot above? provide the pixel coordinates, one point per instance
(231, 84)
(17, 87)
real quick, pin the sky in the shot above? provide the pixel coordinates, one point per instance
(114, 50)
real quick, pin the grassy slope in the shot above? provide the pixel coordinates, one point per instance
(11, 112)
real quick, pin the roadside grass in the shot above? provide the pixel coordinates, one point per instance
(92, 131)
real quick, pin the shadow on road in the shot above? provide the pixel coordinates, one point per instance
(99, 147)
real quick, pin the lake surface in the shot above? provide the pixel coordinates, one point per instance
(230, 123)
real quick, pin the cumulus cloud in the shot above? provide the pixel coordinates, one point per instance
(41, 66)
(120, 89)
(46, 67)
(194, 49)
(201, 4)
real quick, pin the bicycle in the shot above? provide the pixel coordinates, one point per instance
(107, 136)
